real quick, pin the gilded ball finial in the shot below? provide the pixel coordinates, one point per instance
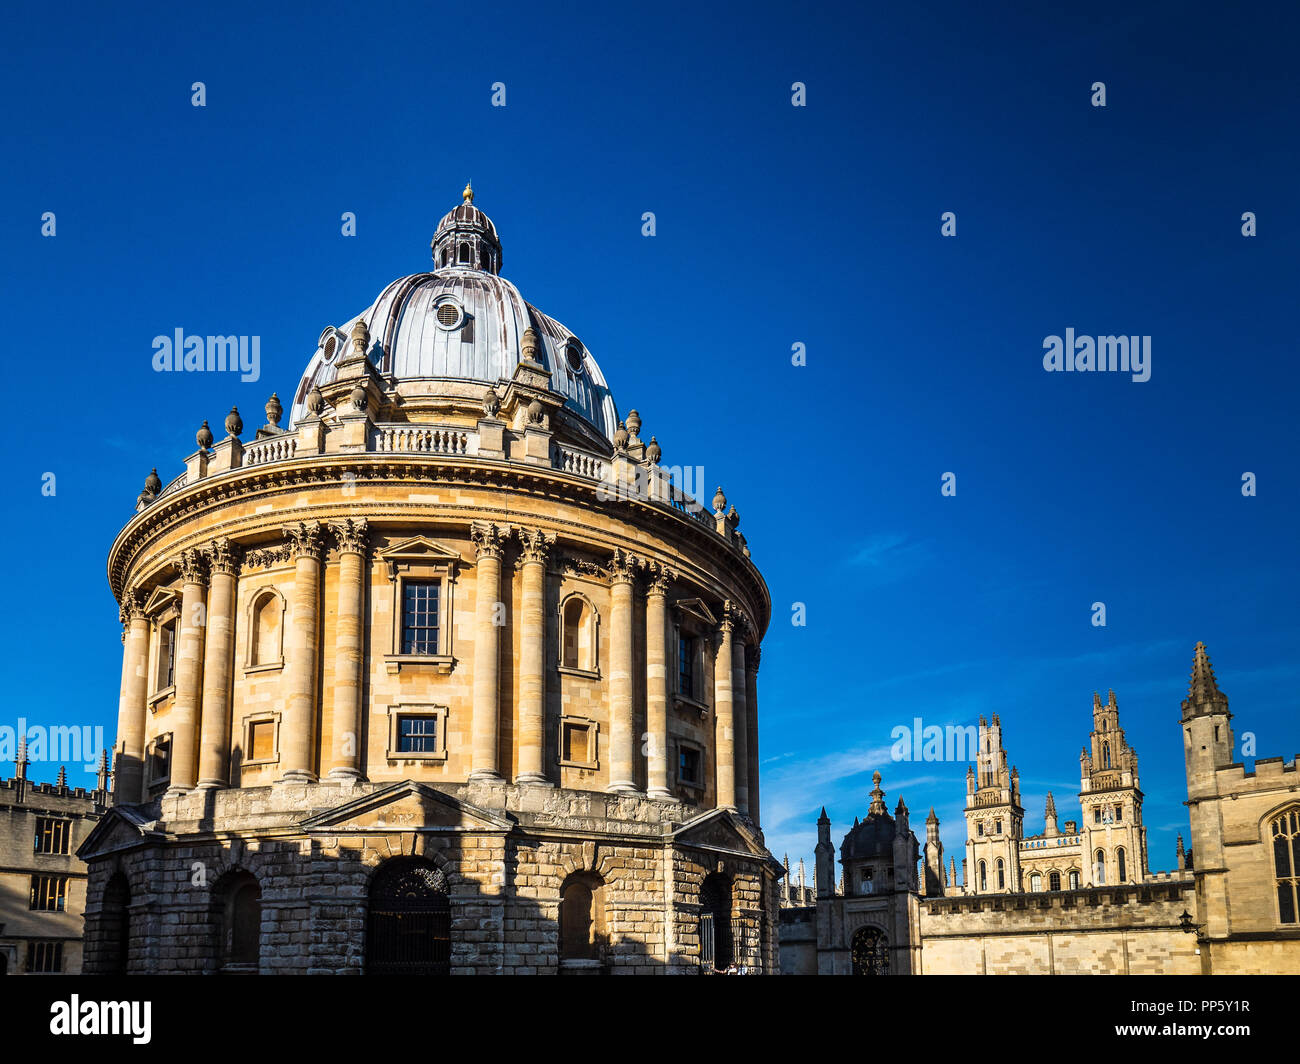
(468, 195)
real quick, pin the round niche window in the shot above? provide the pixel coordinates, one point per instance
(449, 315)
(329, 344)
(573, 355)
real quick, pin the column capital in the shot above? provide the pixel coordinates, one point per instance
(353, 535)
(623, 566)
(659, 576)
(223, 556)
(306, 539)
(536, 543)
(193, 566)
(131, 606)
(734, 621)
(489, 539)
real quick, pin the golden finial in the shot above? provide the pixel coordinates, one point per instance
(468, 194)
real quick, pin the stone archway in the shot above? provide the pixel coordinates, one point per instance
(870, 952)
(408, 927)
(715, 922)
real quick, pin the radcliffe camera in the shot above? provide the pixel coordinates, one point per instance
(521, 492)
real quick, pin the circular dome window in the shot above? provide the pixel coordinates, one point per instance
(449, 315)
(573, 355)
(329, 344)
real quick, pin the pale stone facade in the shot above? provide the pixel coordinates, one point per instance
(1083, 900)
(453, 624)
(42, 881)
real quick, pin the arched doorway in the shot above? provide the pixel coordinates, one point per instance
(115, 925)
(408, 931)
(238, 899)
(715, 922)
(582, 917)
(870, 951)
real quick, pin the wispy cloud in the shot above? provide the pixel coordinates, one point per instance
(889, 556)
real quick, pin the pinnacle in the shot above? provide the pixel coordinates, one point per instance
(1203, 689)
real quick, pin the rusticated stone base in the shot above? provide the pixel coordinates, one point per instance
(505, 852)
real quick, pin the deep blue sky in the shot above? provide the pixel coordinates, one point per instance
(776, 225)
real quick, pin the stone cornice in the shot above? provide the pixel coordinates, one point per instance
(704, 555)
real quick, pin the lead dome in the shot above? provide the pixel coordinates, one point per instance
(437, 338)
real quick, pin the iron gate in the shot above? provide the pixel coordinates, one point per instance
(409, 924)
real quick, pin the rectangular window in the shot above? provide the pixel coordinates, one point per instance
(52, 835)
(1119, 813)
(420, 617)
(167, 656)
(261, 740)
(997, 827)
(160, 759)
(1096, 815)
(417, 735)
(979, 828)
(686, 666)
(49, 894)
(576, 742)
(688, 766)
(44, 957)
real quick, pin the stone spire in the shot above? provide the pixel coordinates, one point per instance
(1049, 816)
(931, 819)
(877, 807)
(62, 781)
(1180, 853)
(952, 872)
(1203, 694)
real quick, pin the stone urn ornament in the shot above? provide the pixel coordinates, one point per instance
(274, 411)
(234, 423)
(315, 402)
(203, 437)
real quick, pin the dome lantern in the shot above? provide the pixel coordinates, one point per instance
(466, 239)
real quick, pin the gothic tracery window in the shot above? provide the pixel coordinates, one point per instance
(870, 952)
(1286, 864)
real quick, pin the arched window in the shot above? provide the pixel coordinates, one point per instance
(484, 259)
(1286, 865)
(1121, 869)
(238, 901)
(582, 917)
(1035, 882)
(1099, 868)
(266, 629)
(1105, 755)
(715, 922)
(984, 877)
(115, 926)
(408, 927)
(1074, 879)
(462, 254)
(1002, 878)
(578, 634)
(1054, 881)
(446, 256)
(870, 952)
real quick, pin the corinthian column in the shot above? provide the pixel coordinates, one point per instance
(349, 628)
(218, 663)
(623, 577)
(739, 713)
(488, 617)
(301, 648)
(128, 765)
(189, 671)
(724, 734)
(751, 719)
(656, 680)
(532, 656)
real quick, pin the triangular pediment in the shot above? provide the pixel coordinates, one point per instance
(418, 549)
(119, 829)
(159, 600)
(407, 806)
(696, 608)
(721, 831)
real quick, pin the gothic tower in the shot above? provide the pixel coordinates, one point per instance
(1110, 797)
(995, 819)
(934, 884)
